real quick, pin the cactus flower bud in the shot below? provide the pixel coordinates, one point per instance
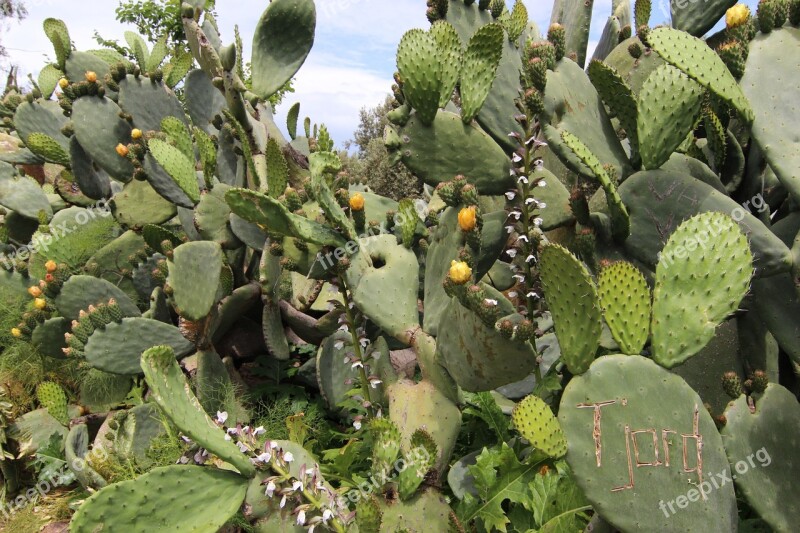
(122, 150)
(63, 83)
(737, 15)
(732, 385)
(460, 272)
(91, 76)
(35, 291)
(40, 303)
(16, 332)
(50, 266)
(760, 381)
(136, 134)
(357, 202)
(467, 218)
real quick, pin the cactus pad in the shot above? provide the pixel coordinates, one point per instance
(699, 62)
(173, 394)
(572, 297)
(171, 498)
(193, 262)
(669, 105)
(772, 434)
(118, 347)
(420, 70)
(625, 300)
(79, 292)
(282, 41)
(178, 166)
(484, 51)
(53, 398)
(535, 421)
(692, 294)
(640, 460)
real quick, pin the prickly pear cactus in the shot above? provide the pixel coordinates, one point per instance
(632, 455)
(52, 397)
(761, 458)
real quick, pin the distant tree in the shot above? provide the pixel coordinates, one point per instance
(14, 10)
(156, 18)
(370, 165)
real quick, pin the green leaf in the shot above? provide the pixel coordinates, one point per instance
(499, 477)
(486, 408)
(557, 502)
(50, 464)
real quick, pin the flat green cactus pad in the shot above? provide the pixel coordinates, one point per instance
(22, 194)
(572, 297)
(761, 448)
(118, 347)
(633, 438)
(774, 131)
(692, 294)
(171, 498)
(481, 60)
(99, 129)
(283, 39)
(173, 394)
(535, 421)
(79, 292)
(625, 300)
(194, 274)
(139, 204)
(694, 57)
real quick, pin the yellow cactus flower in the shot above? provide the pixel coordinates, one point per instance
(50, 266)
(40, 303)
(737, 15)
(16, 332)
(136, 134)
(35, 291)
(357, 202)
(91, 77)
(468, 218)
(122, 150)
(63, 83)
(460, 272)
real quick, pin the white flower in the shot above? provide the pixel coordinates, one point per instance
(222, 417)
(509, 229)
(542, 183)
(283, 501)
(357, 364)
(511, 195)
(259, 431)
(264, 457)
(297, 485)
(523, 238)
(233, 431)
(242, 446)
(542, 205)
(246, 430)
(227, 437)
(529, 201)
(327, 514)
(338, 345)
(533, 294)
(374, 383)
(515, 214)
(344, 328)
(519, 277)
(538, 221)
(364, 342)
(301, 518)
(311, 529)
(530, 259)
(489, 301)
(288, 457)
(270, 488)
(522, 179)
(512, 253)
(357, 424)
(186, 439)
(273, 445)
(512, 294)
(516, 158)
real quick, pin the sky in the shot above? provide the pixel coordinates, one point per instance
(350, 66)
